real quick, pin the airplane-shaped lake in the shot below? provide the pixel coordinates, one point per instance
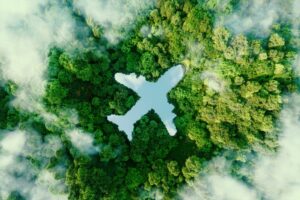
(153, 95)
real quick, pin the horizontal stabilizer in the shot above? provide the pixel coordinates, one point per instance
(122, 123)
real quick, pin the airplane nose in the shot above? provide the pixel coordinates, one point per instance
(184, 68)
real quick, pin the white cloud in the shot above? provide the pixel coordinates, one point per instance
(278, 176)
(148, 31)
(218, 187)
(13, 143)
(82, 141)
(253, 16)
(193, 54)
(19, 174)
(28, 29)
(114, 15)
(258, 16)
(212, 81)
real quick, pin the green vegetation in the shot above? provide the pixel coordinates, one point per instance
(229, 99)
(9, 116)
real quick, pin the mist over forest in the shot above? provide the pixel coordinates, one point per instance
(235, 112)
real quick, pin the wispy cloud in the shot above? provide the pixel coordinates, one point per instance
(277, 176)
(28, 29)
(82, 141)
(258, 16)
(114, 16)
(213, 81)
(20, 174)
(218, 187)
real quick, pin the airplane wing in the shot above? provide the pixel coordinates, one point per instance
(165, 112)
(171, 78)
(131, 81)
(122, 123)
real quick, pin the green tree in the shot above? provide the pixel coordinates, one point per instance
(173, 168)
(56, 92)
(276, 41)
(134, 178)
(15, 195)
(192, 167)
(220, 38)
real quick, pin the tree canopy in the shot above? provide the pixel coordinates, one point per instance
(229, 99)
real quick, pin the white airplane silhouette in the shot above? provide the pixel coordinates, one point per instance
(153, 95)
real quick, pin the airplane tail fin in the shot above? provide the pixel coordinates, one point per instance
(123, 125)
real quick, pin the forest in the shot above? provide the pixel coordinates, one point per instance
(228, 101)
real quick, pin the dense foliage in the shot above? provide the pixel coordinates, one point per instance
(9, 116)
(229, 99)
